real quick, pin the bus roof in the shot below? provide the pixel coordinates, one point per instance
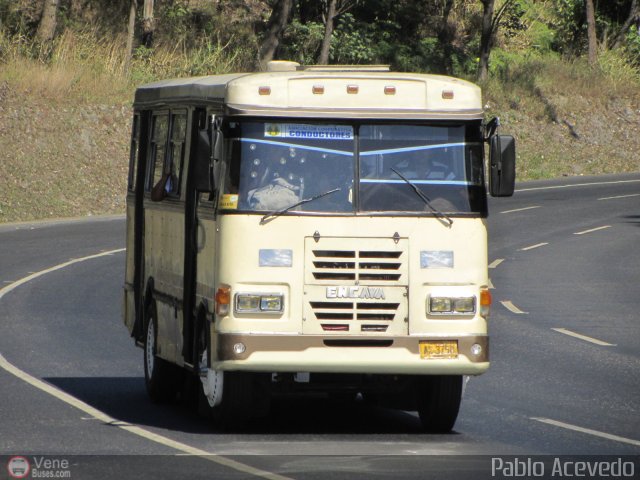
(332, 92)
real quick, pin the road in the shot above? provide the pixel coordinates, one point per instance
(564, 377)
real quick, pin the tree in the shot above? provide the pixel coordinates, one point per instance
(323, 59)
(486, 39)
(277, 21)
(446, 33)
(591, 32)
(634, 16)
(332, 10)
(48, 21)
(490, 25)
(148, 23)
(131, 27)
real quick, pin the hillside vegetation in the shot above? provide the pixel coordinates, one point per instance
(65, 102)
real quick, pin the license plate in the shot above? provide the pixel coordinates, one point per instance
(439, 349)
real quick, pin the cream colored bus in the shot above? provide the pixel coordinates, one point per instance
(312, 229)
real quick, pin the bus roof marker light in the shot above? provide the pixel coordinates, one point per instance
(264, 90)
(317, 89)
(447, 95)
(390, 90)
(352, 89)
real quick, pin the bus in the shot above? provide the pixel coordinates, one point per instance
(312, 230)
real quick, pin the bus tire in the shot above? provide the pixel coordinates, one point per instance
(235, 410)
(439, 398)
(159, 377)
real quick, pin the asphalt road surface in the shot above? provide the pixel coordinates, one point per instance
(564, 381)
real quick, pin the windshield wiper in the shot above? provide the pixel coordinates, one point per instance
(443, 217)
(276, 213)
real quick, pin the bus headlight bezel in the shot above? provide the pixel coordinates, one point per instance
(442, 305)
(258, 302)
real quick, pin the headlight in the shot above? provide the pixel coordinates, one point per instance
(259, 303)
(451, 306)
(271, 303)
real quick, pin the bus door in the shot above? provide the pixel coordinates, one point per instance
(164, 233)
(199, 234)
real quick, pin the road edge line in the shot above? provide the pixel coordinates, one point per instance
(596, 433)
(134, 429)
(583, 337)
(98, 414)
(22, 281)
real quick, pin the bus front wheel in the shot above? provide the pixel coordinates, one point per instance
(439, 398)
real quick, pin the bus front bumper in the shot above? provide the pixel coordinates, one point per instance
(419, 355)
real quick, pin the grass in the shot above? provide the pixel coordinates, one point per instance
(569, 118)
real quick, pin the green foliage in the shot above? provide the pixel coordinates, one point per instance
(569, 26)
(633, 47)
(353, 43)
(615, 65)
(302, 41)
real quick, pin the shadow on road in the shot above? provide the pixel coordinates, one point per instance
(125, 399)
(633, 219)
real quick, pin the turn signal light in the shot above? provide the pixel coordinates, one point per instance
(223, 300)
(485, 302)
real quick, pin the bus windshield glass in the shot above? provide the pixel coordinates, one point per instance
(366, 167)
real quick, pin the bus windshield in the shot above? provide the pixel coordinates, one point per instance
(368, 168)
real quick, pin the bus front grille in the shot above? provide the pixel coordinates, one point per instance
(356, 286)
(369, 317)
(357, 265)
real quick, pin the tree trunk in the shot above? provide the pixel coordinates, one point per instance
(277, 21)
(148, 24)
(131, 29)
(634, 15)
(446, 34)
(486, 39)
(47, 26)
(591, 32)
(323, 59)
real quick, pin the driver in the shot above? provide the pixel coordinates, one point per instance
(278, 194)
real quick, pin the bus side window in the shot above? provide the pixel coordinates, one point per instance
(159, 128)
(176, 153)
(133, 153)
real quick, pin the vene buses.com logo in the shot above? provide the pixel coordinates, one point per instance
(18, 467)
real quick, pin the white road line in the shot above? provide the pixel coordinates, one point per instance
(583, 337)
(491, 287)
(521, 209)
(496, 262)
(588, 431)
(537, 245)
(512, 308)
(620, 196)
(592, 230)
(554, 187)
(16, 284)
(136, 430)
(103, 417)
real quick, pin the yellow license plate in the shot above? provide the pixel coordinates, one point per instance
(439, 349)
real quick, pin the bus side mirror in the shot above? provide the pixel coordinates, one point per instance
(204, 168)
(502, 165)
